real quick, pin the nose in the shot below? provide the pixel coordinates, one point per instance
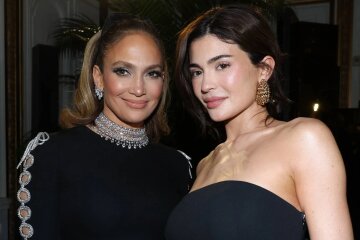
(207, 83)
(138, 87)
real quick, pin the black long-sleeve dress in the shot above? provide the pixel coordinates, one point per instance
(84, 187)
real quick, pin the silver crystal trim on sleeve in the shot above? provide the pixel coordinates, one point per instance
(189, 162)
(23, 194)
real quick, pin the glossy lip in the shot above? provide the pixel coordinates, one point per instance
(137, 104)
(213, 102)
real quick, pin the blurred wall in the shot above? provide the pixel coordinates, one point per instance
(355, 83)
(4, 202)
(320, 13)
(40, 18)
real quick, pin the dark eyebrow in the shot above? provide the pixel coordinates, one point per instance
(211, 60)
(214, 59)
(193, 65)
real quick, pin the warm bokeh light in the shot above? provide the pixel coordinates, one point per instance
(316, 107)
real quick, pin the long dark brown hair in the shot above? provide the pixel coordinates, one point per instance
(239, 24)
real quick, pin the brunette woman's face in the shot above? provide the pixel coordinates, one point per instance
(223, 77)
(132, 79)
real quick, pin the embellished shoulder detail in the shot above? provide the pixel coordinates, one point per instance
(189, 161)
(23, 194)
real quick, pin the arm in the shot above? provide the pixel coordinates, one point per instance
(38, 193)
(320, 181)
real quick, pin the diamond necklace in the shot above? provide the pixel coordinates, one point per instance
(121, 136)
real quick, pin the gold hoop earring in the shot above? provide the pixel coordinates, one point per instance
(262, 92)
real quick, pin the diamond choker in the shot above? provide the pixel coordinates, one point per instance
(121, 136)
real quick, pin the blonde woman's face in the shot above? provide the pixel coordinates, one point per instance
(132, 79)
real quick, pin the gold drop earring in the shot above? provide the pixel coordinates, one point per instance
(262, 92)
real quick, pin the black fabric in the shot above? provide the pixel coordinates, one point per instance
(84, 187)
(234, 210)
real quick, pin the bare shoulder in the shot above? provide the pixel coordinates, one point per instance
(306, 129)
(303, 123)
(310, 140)
(319, 176)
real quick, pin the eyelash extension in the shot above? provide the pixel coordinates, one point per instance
(223, 65)
(121, 71)
(197, 72)
(157, 73)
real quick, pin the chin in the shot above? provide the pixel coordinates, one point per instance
(217, 118)
(137, 120)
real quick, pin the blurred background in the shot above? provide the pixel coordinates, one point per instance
(41, 47)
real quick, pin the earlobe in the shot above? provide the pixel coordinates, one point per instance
(98, 82)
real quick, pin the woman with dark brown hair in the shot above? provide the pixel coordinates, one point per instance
(270, 179)
(106, 177)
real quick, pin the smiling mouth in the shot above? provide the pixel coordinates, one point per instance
(137, 104)
(213, 102)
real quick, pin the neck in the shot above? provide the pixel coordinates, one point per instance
(121, 136)
(114, 118)
(247, 122)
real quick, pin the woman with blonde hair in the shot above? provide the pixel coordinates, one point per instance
(106, 177)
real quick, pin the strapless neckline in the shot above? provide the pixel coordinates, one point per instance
(232, 210)
(239, 182)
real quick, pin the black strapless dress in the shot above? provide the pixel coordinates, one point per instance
(235, 210)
